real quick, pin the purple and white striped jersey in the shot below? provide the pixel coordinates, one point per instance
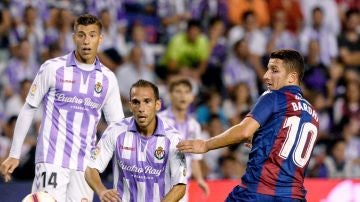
(72, 99)
(145, 168)
(189, 129)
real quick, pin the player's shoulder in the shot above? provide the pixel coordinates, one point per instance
(169, 130)
(168, 126)
(61, 60)
(123, 124)
(163, 113)
(106, 71)
(193, 122)
(116, 128)
(54, 63)
(269, 95)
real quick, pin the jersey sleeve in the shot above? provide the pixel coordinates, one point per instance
(264, 108)
(104, 151)
(177, 163)
(197, 135)
(43, 81)
(113, 109)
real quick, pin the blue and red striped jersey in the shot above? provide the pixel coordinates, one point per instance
(283, 144)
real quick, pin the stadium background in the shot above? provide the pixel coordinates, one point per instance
(235, 36)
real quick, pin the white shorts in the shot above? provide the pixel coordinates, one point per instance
(64, 184)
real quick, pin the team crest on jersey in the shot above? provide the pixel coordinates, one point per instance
(33, 89)
(95, 152)
(159, 153)
(98, 87)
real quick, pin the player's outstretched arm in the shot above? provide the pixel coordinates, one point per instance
(175, 193)
(7, 167)
(242, 132)
(93, 179)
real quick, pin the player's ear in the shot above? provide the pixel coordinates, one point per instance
(130, 106)
(101, 38)
(293, 77)
(158, 105)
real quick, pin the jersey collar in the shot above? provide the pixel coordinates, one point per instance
(159, 131)
(70, 61)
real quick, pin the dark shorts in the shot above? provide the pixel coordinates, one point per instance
(240, 194)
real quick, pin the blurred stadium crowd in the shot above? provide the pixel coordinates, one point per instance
(222, 46)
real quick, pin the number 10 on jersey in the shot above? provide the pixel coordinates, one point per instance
(305, 143)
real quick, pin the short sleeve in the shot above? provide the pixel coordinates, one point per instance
(197, 135)
(177, 164)
(44, 80)
(264, 108)
(104, 151)
(113, 109)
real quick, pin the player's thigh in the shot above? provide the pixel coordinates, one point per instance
(78, 189)
(52, 179)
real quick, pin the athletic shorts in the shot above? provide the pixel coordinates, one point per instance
(64, 184)
(241, 194)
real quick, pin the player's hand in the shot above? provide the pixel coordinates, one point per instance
(7, 168)
(110, 195)
(192, 146)
(203, 185)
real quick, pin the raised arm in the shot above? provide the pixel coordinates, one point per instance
(243, 132)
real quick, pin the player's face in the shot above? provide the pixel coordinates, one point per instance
(87, 39)
(144, 106)
(276, 76)
(181, 97)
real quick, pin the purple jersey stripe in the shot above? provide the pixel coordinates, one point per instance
(83, 135)
(69, 139)
(53, 137)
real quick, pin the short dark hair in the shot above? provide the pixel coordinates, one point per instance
(143, 83)
(177, 82)
(292, 59)
(351, 12)
(87, 19)
(193, 23)
(317, 9)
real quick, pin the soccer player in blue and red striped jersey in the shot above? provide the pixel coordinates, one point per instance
(282, 128)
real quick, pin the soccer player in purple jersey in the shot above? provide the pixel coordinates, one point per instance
(73, 90)
(147, 164)
(178, 115)
(282, 127)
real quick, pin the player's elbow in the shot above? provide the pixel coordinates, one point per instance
(89, 174)
(247, 136)
(181, 190)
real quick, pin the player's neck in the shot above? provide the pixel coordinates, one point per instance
(180, 115)
(148, 131)
(80, 60)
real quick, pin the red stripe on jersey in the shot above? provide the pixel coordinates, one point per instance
(271, 169)
(299, 173)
